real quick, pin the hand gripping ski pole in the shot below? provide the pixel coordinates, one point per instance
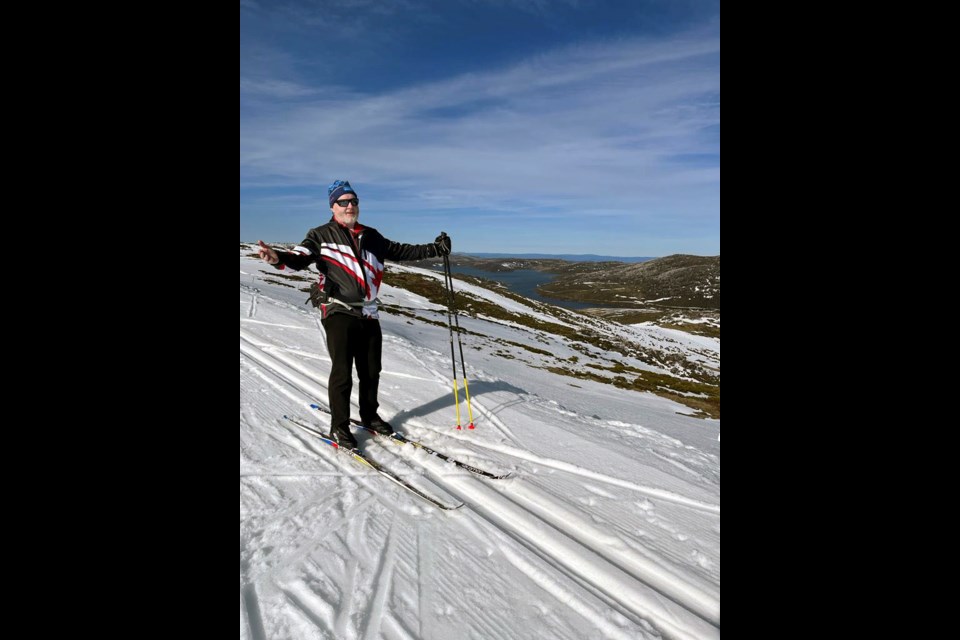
(451, 320)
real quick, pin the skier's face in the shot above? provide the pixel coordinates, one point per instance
(346, 215)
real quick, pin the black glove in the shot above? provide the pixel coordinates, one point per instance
(321, 295)
(442, 244)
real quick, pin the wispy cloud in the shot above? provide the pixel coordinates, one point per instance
(275, 88)
(528, 6)
(616, 119)
(346, 16)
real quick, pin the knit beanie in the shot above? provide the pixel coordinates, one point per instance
(337, 189)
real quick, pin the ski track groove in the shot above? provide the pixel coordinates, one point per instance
(311, 605)
(297, 515)
(683, 588)
(626, 530)
(252, 608)
(539, 570)
(424, 568)
(576, 559)
(306, 550)
(567, 467)
(258, 526)
(683, 467)
(274, 324)
(454, 594)
(398, 631)
(382, 581)
(497, 422)
(344, 607)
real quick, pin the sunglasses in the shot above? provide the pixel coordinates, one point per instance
(345, 203)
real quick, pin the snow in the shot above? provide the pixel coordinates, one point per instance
(649, 331)
(608, 527)
(502, 301)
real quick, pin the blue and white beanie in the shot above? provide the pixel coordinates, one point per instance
(337, 189)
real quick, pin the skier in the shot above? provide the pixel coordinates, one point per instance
(350, 259)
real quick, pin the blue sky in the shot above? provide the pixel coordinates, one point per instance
(533, 126)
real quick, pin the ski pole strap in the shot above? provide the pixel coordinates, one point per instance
(365, 303)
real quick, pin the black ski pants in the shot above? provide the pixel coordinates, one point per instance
(353, 341)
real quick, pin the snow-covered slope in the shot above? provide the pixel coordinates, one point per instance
(608, 527)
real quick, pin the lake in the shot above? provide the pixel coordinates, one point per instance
(522, 281)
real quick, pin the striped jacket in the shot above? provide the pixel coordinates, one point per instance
(350, 271)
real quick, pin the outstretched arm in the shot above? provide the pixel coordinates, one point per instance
(439, 247)
(300, 258)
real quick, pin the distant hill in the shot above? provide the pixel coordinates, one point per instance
(587, 257)
(673, 281)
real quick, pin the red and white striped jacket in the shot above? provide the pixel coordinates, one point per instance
(352, 261)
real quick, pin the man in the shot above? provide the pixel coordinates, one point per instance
(350, 259)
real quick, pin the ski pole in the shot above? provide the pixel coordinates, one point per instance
(453, 358)
(453, 309)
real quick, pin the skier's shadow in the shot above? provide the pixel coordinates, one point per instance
(476, 389)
